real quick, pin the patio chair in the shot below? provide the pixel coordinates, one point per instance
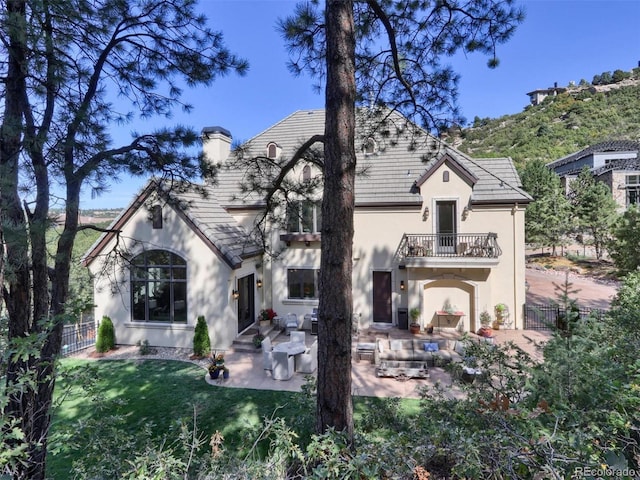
(308, 362)
(291, 322)
(283, 366)
(297, 336)
(267, 354)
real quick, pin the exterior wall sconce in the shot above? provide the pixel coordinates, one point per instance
(425, 214)
(402, 287)
(235, 294)
(259, 283)
(465, 212)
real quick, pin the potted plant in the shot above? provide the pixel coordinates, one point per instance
(501, 312)
(485, 324)
(216, 365)
(257, 340)
(266, 316)
(414, 326)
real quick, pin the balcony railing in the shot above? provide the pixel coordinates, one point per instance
(451, 245)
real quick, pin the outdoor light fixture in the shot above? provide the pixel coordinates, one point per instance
(235, 294)
(425, 214)
(259, 283)
(402, 285)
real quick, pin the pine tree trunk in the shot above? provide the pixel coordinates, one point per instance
(335, 408)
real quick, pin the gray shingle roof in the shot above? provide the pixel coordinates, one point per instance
(218, 228)
(611, 146)
(203, 214)
(385, 177)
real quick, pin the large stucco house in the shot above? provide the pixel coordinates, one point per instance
(616, 163)
(433, 228)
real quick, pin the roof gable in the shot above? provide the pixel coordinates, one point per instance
(203, 215)
(451, 163)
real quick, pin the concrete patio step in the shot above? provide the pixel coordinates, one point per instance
(244, 343)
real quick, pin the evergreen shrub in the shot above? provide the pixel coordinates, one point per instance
(201, 341)
(106, 339)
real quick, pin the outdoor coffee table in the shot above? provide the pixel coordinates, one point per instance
(365, 350)
(400, 370)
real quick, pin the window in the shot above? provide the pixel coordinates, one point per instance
(304, 217)
(306, 173)
(370, 146)
(302, 283)
(445, 176)
(159, 287)
(156, 216)
(272, 150)
(632, 184)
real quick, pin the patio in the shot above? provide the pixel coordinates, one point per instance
(247, 367)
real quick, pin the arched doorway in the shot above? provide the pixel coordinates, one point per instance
(460, 294)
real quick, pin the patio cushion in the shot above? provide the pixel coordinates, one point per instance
(431, 347)
(396, 345)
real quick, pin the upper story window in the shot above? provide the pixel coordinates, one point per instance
(306, 173)
(632, 180)
(445, 176)
(304, 216)
(159, 287)
(156, 216)
(273, 150)
(370, 146)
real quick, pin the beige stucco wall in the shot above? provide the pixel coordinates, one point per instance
(210, 282)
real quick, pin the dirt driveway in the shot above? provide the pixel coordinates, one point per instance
(590, 292)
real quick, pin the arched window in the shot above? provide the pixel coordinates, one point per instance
(306, 173)
(272, 150)
(159, 287)
(370, 146)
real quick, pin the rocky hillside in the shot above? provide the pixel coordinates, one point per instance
(560, 125)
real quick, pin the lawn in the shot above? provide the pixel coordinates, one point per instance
(162, 393)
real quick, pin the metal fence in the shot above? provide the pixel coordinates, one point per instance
(548, 317)
(78, 336)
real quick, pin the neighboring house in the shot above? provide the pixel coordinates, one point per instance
(432, 227)
(537, 96)
(615, 163)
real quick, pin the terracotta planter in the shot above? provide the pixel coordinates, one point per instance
(414, 328)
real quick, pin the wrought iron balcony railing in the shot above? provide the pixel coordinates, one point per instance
(476, 245)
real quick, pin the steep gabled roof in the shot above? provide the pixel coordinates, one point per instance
(604, 147)
(386, 177)
(203, 214)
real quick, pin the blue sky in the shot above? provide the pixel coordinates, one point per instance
(559, 41)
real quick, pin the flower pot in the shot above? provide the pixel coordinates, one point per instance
(430, 329)
(214, 374)
(414, 328)
(225, 374)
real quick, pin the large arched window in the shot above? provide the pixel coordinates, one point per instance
(159, 287)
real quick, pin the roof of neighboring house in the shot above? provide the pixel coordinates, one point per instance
(387, 177)
(619, 164)
(604, 147)
(202, 213)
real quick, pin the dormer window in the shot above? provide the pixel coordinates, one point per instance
(306, 174)
(370, 146)
(273, 151)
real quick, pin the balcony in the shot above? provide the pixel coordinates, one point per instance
(479, 249)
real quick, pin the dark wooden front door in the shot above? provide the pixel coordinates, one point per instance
(246, 302)
(382, 297)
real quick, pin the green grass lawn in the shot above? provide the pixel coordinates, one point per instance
(163, 393)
